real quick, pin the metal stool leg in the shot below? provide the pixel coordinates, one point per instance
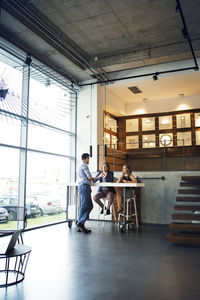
(114, 212)
(127, 210)
(135, 208)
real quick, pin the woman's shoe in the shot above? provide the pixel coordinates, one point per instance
(102, 211)
(108, 211)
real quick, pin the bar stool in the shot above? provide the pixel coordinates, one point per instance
(128, 213)
(104, 214)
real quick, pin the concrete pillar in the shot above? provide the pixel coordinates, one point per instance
(89, 123)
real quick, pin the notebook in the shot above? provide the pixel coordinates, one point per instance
(5, 249)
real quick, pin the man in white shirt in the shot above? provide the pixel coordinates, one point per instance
(84, 181)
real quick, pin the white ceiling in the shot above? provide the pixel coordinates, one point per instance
(166, 87)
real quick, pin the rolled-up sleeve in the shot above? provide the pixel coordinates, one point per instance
(96, 177)
(86, 171)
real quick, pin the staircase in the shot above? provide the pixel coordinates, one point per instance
(186, 216)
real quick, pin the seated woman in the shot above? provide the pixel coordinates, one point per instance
(104, 192)
(126, 176)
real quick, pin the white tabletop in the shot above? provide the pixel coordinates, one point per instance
(113, 184)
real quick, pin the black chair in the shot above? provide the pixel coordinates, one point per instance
(18, 217)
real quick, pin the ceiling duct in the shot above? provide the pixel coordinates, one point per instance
(134, 89)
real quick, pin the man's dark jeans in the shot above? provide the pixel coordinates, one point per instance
(86, 202)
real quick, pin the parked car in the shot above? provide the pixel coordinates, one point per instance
(10, 203)
(47, 204)
(3, 215)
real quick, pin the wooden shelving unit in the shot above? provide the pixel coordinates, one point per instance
(157, 151)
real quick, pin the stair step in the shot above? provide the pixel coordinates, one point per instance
(186, 191)
(186, 216)
(188, 199)
(183, 238)
(194, 183)
(187, 207)
(190, 178)
(185, 226)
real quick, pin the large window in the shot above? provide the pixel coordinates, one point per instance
(46, 185)
(37, 141)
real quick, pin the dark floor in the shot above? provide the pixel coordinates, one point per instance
(107, 264)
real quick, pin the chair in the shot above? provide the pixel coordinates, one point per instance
(17, 214)
(130, 214)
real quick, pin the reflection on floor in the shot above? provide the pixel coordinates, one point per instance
(106, 264)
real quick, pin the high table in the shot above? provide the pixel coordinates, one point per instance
(125, 186)
(14, 267)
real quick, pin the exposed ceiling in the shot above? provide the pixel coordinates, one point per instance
(83, 39)
(167, 87)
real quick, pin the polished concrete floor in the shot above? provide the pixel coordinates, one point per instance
(107, 264)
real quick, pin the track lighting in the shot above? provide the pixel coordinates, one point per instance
(28, 59)
(3, 90)
(3, 93)
(178, 7)
(155, 76)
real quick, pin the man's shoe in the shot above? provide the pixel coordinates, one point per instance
(82, 228)
(88, 230)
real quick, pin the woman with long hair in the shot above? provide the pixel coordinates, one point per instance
(126, 176)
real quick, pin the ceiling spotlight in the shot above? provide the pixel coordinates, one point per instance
(155, 76)
(3, 93)
(28, 59)
(178, 9)
(181, 95)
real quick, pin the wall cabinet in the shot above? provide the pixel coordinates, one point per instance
(153, 132)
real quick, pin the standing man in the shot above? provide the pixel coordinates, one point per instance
(84, 189)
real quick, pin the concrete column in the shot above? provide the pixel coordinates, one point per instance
(24, 139)
(89, 123)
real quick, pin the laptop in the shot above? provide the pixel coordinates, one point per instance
(6, 249)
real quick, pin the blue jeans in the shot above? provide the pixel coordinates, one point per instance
(86, 202)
